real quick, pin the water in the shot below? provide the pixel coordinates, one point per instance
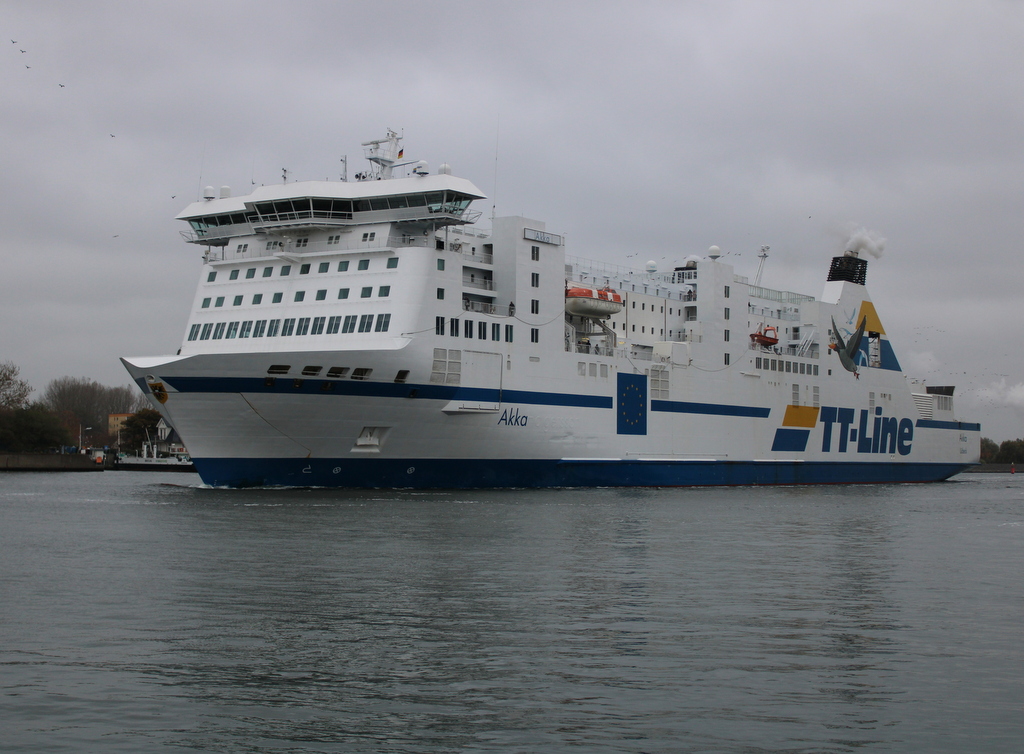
(138, 613)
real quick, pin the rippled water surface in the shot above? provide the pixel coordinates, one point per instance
(139, 612)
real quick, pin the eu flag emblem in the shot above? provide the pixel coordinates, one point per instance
(632, 400)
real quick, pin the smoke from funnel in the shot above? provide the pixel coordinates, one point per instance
(862, 239)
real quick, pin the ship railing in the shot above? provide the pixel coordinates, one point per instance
(483, 307)
(443, 215)
(784, 297)
(478, 257)
(484, 285)
(806, 352)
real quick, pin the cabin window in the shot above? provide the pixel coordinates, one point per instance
(343, 293)
(300, 242)
(727, 291)
(366, 292)
(338, 372)
(259, 328)
(233, 275)
(384, 290)
(366, 323)
(439, 325)
(206, 303)
(211, 277)
(302, 327)
(469, 328)
(193, 333)
(250, 273)
(304, 269)
(286, 270)
(300, 295)
(361, 374)
(218, 331)
(237, 301)
(481, 330)
(534, 335)
(383, 323)
(349, 325)
(495, 331)
(439, 244)
(535, 253)
(232, 330)
(321, 295)
(453, 327)
(246, 329)
(727, 359)
(508, 333)
(534, 306)
(272, 328)
(333, 240)
(535, 280)
(343, 266)
(311, 371)
(726, 336)
(392, 264)
(440, 293)
(279, 369)
(288, 327)
(207, 329)
(219, 301)
(268, 271)
(333, 324)
(402, 376)
(277, 298)
(364, 264)
(440, 264)
(727, 312)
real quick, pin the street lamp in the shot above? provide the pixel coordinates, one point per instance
(80, 436)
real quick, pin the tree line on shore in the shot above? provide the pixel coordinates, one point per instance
(69, 411)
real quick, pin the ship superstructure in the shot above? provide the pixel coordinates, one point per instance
(368, 334)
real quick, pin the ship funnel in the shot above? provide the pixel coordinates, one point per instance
(208, 194)
(850, 268)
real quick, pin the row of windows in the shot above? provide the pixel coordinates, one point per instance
(290, 326)
(467, 328)
(304, 269)
(365, 292)
(782, 365)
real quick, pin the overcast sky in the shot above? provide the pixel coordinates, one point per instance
(641, 128)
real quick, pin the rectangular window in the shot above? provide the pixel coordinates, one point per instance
(242, 248)
(534, 335)
(440, 264)
(350, 324)
(277, 298)
(384, 290)
(796, 395)
(440, 293)
(439, 325)
(300, 242)
(495, 331)
(233, 275)
(219, 301)
(392, 263)
(246, 329)
(534, 306)
(257, 298)
(333, 240)
(343, 266)
(300, 295)
(481, 330)
(273, 245)
(333, 325)
(321, 295)
(288, 327)
(727, 291)
(259, 328)
(211, 277)
(206, 303)
(324, 267)
(535, 253)
(343, 293)
(302, 327)
(366, 323)
(232, 331)
(508, 333)
(268, 271)
(193, 332)
(250, 273)
(454, 327)
(237, 301)
(727, 312)
(318, 326)
(727, 359)
(366, 292)
(207, 330)
(286, 270)
(383, 323)
(364, 264)
(726, 336)
(272, 328)
(303, 269)
(469, 328)
(218, 331)
(535, 280)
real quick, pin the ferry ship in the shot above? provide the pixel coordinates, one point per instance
(368, 333)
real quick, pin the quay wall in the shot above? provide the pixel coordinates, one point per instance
(48, 462)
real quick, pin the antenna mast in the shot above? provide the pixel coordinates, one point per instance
(760, 265)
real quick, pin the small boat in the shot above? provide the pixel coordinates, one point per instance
(765, 336)
(592, 302)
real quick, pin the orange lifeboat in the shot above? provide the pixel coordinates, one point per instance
(592, 302)
(765, 336)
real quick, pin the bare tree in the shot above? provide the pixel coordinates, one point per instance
(81, 402)
(13, 391)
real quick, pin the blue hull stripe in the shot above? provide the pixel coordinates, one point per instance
(715, 409)
(959, 426)
(287, 385)
(429, 473)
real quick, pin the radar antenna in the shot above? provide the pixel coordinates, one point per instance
(760, 265)
(383, 153)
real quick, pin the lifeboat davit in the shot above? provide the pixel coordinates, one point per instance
(592, 302)
(765, 336)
